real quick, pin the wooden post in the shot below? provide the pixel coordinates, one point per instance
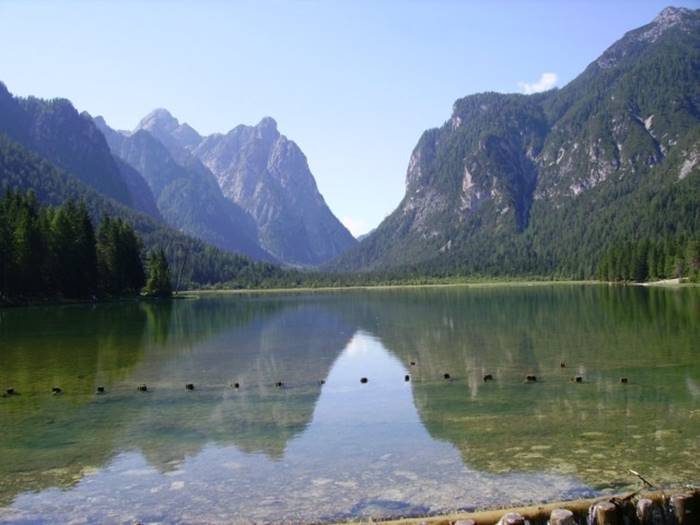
(686, 508)
(512, 518)
(604, 513)
(649, 512)
(562, 517)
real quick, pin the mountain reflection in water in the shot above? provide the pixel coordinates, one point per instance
(325, 446)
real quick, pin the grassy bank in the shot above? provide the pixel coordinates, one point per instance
(670, 283)
(340, 288)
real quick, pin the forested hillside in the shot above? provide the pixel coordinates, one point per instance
(193, 262)
(549, 184)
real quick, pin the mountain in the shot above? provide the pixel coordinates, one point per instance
(194, 262)
(141, 196)
(166, 128)
(545, 184)
(268, 176)
(57, 132)
(187, 194)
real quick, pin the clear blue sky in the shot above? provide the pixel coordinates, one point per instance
(354, 83)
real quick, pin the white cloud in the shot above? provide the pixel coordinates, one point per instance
(546, 81)
(356, 226)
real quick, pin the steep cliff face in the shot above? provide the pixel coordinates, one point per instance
(187, 194)
(268, 176)
(525, 179)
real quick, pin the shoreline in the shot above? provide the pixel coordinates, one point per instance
(540, 513)
(668, 283)
(370, 287)
(28, 303)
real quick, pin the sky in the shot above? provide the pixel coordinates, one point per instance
(353, 83)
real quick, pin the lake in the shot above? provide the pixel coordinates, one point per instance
(324, 446)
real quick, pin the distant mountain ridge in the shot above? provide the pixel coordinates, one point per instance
(187, 194)
(546, 183)
(194, 262)
(268, 176)
(157, 170)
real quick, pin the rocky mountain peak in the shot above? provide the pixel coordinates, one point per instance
(162, 125)
(268, 176)
(267, 128)
(628, 49)
(99, 120)
(668, 18)
(671, 16)
(159, 118)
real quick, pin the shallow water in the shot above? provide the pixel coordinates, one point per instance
(326, 447)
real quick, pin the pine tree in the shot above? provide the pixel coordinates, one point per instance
(86, 251)
(29, 246)
(6, 247)
(693, 260)
(159, 279)
(63, 259)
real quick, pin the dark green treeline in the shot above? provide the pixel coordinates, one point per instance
(652, 260)
(50, 251)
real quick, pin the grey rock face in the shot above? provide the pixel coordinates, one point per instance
(187, 194)
(166, 128)
(268, 176)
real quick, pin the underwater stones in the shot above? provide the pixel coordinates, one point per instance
(142, 388)
(363, 380)
(562, 517)
(189, 386)
(56, 391)
(512, 518)
(488, 377)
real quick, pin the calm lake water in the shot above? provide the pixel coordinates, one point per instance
(325, 446)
